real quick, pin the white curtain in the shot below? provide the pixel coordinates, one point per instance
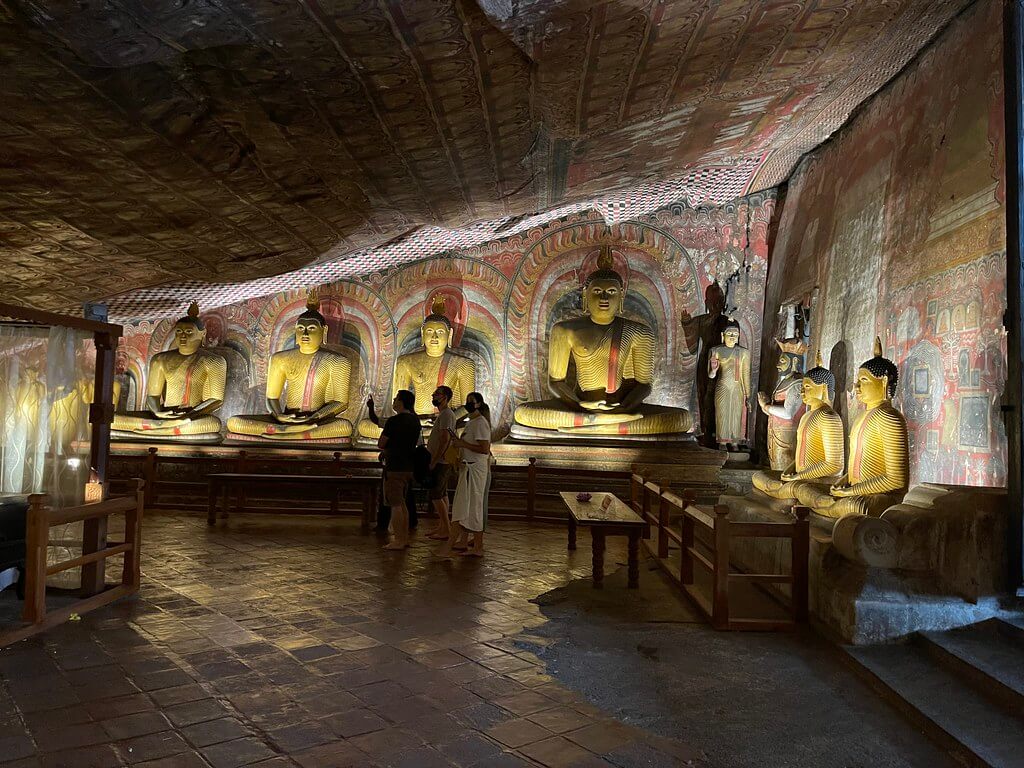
(46, 386)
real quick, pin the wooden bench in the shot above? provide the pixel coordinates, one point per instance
(614, 518)
(220, 485)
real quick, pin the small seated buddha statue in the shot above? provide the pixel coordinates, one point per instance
(614, 361)
(879, 466)
(785, 405)
(184, 387)
(423, 371)
(819, 439)
(307, 389)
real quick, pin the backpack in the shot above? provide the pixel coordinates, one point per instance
(421, 467)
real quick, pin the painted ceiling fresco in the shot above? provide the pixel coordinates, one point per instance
(149, 143)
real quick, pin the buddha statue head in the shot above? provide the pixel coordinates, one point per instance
(436, 331)
(731, 334)
(819, 384)
(791, 356)
(189, 331)
(876, 379)
(310, 326)
(604, 290)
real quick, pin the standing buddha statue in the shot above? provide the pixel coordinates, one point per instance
(729, 366)
(423, 371)
(785, 405)
(879, 465)
(614, 362)
(819, 439)
(184, 387)
(307, 389)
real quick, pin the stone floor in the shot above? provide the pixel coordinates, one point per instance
(298, 642)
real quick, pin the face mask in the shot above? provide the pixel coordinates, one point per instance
(470, 407)
(435, 402)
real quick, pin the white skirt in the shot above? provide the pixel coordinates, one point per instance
(469, 507)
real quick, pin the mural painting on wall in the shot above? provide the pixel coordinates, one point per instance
(501, 300)
(900, 221)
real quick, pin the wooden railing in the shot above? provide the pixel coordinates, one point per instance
(703, 539)
(518, 491)
(95, 551)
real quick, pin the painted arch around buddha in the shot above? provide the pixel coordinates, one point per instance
(661, 279)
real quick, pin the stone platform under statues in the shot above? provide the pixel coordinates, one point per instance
(934, 562)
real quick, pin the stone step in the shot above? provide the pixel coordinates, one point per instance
(990, 654)
(957, 709)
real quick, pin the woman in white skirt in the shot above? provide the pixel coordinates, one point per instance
(469, 510)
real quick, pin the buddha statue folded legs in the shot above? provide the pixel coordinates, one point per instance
(614, 361)
(819, 441)
(185, 386)
(307, 390)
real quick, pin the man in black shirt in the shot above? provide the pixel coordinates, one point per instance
(398, 442)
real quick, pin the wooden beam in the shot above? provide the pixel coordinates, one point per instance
(42, 317)
(1013, 96)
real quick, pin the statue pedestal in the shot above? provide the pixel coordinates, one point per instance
(948, 550)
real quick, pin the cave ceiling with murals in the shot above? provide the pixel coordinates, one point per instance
(152, 142)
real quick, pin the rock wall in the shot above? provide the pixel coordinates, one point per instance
(896, 228)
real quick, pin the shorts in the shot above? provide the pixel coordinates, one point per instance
(442, 474)
(395, 486)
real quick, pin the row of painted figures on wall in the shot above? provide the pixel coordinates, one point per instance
(600, 373)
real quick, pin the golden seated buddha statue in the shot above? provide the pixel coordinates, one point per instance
(184, 387)
(423, 371)
(879, 467)
(614, 361)
(307, 389)
(819, 439)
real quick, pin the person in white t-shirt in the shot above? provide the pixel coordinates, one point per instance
(469, 510)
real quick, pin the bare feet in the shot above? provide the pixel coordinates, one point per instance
(394, 545)
(437, 535)
(472, 553)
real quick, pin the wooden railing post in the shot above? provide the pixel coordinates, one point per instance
(241, 466)
(636, 491)
(149, 476)
(720, 588)
(685, 545)
(132, 573)
(800, 547)
(37, 539)
(662, 526)
(94, 539)
(531, 488)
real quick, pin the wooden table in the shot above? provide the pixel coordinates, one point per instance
(221, 483)
(618, 519)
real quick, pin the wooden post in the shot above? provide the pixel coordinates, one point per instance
(94, 539)
(241, 467)
(132, 574)
(686, 559)
(149, 475)
(636, 491)
(800, 546)
(37, 539)
(101, 411)
(531, 488)
(662, 527)
(720, 587)
(1013, 96)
